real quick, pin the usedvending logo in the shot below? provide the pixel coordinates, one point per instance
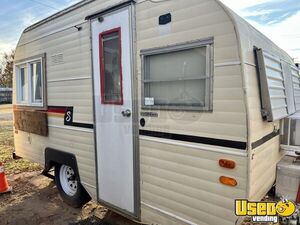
(264, 211)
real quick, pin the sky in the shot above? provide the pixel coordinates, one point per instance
(277, 19)
(16, 15)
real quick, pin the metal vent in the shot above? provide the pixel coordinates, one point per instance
(57, 59)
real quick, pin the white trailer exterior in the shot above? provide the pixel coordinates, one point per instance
(159, 165)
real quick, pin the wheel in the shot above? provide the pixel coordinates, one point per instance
(69, 187)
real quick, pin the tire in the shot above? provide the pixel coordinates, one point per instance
(69, 187)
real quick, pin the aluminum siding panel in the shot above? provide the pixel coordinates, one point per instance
(185, 182)
(58, 36)
(263, 168)
(228, 119)
(181, 180)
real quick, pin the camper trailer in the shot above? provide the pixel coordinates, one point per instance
(163, 111)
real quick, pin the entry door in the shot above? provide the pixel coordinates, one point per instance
(111, 43)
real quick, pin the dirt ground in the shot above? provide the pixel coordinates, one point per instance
(35, 199)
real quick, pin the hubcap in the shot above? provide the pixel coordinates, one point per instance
(68, 181)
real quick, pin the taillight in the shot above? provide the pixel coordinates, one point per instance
(228, 181)
(226, 163)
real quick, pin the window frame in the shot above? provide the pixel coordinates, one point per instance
(19, 90)
(208, 44)
(102, 71)
(26, 63)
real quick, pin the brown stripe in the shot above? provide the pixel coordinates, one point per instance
(196, 139)
(264, 139)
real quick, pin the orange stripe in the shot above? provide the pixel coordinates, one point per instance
(53, 114)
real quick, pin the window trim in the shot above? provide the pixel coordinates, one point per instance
(208, 43)
(102, 72)
(18, 82)
(27, 64)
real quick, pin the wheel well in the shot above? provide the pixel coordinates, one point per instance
(54, 157)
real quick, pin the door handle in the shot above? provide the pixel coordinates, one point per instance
(126, 113)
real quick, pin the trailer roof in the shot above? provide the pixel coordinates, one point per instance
(245, 32)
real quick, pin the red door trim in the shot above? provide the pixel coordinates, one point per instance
(102, 72)
(298, 195)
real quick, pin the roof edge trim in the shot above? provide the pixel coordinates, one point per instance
(110, 9)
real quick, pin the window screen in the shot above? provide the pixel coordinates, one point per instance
(177, 77)
(111, 76)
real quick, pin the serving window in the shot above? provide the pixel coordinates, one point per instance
(279, 86)
(30, 86)
(290, 132)
(178, 77)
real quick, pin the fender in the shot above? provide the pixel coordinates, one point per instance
(53, 157)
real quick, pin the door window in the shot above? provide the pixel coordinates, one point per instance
(110, 67)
